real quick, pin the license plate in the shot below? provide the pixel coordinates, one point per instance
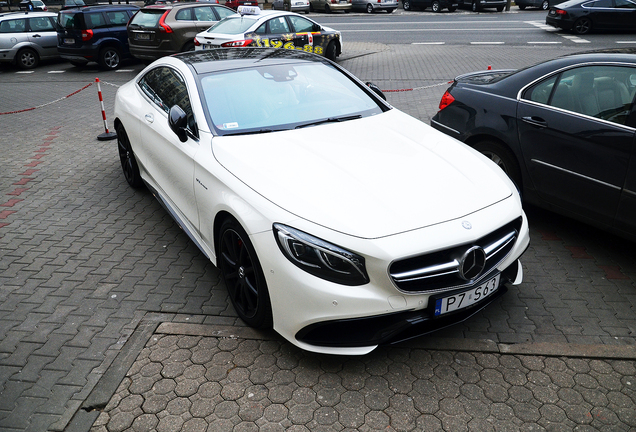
(142, 36)
(69, 41)
(467, 298)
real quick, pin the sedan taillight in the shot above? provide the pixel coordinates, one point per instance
(238, 43)
(447, 99)
(561, 12)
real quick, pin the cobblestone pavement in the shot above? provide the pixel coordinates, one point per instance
(112, 319)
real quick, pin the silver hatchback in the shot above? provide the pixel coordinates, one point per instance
(27, 37)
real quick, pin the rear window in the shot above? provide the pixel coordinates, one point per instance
(13, 26)
(70, 20)
(147, 18)
(232, 25)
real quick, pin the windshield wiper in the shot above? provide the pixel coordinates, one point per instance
(330, 120)
(251, 132)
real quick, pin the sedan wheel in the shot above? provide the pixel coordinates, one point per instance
(545, 5)
(27, 58)
(503, 157)
(127, 158)
(369, 8)
(474, 6)
(407, 5)
(582, 26)
(435, 6)
(243, 275)
(331, 51)
(109, 58)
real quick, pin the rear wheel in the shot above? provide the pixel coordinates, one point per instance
(327, 9)
(582, 26)
(127, 158)
(27, 58)
(407, 5)
(243, 275)
(331, 51)
(475, 6)
(109, 58)
(369, 8)
(435, 6)
(503, 157)
(545, 5)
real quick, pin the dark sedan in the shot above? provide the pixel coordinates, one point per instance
(585, 16)
(563, 131)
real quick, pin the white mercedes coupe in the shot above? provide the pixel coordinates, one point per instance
(333, 217)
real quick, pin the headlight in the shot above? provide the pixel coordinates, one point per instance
(319, 258)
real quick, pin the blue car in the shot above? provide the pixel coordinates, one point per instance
(94, 33)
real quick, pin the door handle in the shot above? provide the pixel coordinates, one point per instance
(149, 118)
(36, 35)
(535, 121)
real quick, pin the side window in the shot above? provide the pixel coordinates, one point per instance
(204, 13)
(224, 12)
(40, 24)
(117, 18)
(603, 92)
(301, 24)
(184, 15)
(540, 93)
(262, 29)
(166, 88)
(625, 4)
(278, 25)
(603, 4)
(94, 20)
(13, 26)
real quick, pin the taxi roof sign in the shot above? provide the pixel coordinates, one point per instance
(248, 10)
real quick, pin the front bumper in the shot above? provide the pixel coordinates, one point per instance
(325, 317)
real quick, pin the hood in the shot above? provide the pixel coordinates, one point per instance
(370, 177)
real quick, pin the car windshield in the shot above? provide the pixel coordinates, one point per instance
(233, 25)
(285, 96)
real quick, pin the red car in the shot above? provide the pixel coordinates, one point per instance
(234, 4)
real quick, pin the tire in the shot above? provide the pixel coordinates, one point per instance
(435, 6)
(243, 275)
(452, 9)
(331, 51)
(369, 8)
(311, 7)
(503, 157)
(127, 158)
(474, 6)
(27, 58)
(327, 9)
(109, 58)
(407, 5)
(522, 7)
(545, 5)
(582, 26)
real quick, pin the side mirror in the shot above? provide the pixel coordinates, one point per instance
(316, 28)
(376, 89)
(178, 121)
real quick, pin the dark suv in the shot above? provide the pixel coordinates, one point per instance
(94, 33)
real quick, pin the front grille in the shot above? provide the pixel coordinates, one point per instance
(440, 271)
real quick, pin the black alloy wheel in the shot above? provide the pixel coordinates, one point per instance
(243, 275)
(503, 157)
(127, 158)
(582, 26)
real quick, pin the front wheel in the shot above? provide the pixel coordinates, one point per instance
(582, 26)
(27, 58)
(545, 5)
(435, 6)
(109, 58)
(475, 6)
(503, 157)
(369, 8)
(243, 275)
(331, 51)
(407, 5)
